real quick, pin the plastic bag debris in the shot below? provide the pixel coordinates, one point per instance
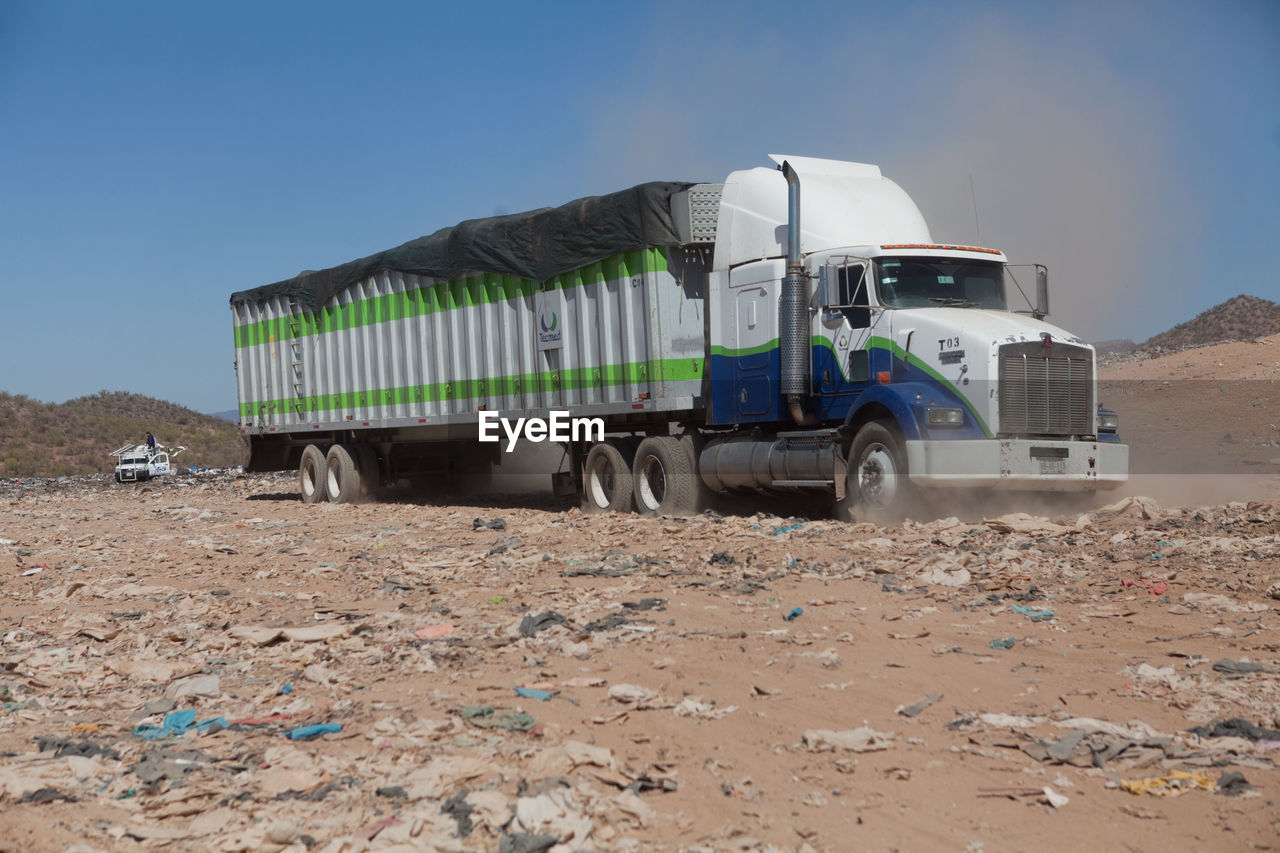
(1236, 727)
(862, 739)
(531, 624)
(1032, 613)
(1237, 667)
(179, 723)
(692, 706)
(915, 708)
(309, 732)
(1174, 783)
(484, 717)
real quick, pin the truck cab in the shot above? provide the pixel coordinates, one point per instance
(921, 363)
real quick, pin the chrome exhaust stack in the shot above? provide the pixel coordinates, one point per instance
(793, 311)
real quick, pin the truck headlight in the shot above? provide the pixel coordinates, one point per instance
(1108, 422)
(945, 417)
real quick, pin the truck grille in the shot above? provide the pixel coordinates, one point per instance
(1046, 393)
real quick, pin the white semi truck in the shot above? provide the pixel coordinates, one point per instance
(790, 330)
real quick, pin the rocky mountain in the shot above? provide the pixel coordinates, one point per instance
(1238, 318)
(76, 437)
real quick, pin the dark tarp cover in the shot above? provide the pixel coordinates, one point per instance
(535, 245)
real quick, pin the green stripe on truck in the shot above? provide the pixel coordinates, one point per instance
(665, 370)
(483, 289)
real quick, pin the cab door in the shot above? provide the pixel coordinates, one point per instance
(846, 320)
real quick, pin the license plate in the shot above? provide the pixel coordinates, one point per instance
(1053, 466)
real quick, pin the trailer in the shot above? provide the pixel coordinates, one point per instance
(790, 330)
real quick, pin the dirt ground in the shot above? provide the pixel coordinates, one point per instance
(723, 682)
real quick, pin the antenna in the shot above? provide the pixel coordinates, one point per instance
(974, 196)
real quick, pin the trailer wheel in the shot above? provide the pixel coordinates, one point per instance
(342, 481)
(312, 472)
(663, 478)
(877, 488)
(607, 485)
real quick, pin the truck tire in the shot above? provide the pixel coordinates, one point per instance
(342, 479)
(877, 488)
(312, 474)
(663, 478)
(606, 482)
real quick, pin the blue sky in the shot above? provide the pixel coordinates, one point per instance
(156, 157)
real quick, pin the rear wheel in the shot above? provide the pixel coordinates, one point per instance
(342, 479)
(877, 488)
(311, 475)
(663, 478)
(607, 482)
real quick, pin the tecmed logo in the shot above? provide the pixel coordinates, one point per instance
(559, 427)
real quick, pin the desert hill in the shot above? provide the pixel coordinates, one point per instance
(55, 439)
(1238, 318)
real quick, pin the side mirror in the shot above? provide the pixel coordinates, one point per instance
(1042, 291)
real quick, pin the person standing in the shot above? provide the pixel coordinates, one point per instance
(151, 442)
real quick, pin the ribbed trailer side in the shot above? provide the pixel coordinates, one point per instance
(399, 350)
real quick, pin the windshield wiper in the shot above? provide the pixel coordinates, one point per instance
(952, 300)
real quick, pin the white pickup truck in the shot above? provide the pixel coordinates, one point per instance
(138, 462)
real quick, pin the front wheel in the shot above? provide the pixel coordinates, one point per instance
(877, 488)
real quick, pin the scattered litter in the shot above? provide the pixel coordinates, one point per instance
(434, 632)
(1005, 643)
(1033, 614)
(1054, 798)
(531, 693)
(531, 624)
(1237, 667)
(632, 694)
(795, 611)
(309, 732)
(484, 717)
(695, 707)
(915, 709)
(1176, 782)
(1232, 783)
(179, 723)
(862, 739)
(1236, 727)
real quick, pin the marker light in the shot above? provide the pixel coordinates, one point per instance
(939, 246)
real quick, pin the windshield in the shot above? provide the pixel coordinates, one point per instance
(926, 282)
